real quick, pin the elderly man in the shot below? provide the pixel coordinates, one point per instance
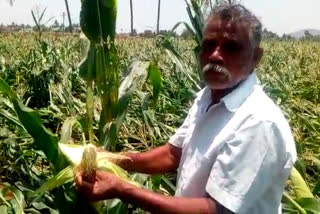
(234, 150)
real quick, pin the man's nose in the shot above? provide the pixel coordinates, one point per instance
(216, 56)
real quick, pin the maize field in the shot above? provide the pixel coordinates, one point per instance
(42, 88)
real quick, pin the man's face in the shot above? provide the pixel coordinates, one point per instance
(227, 55)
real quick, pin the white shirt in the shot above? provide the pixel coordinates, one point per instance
(240, 151)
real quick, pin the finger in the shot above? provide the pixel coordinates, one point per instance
(86, 189)
(100, 149)
(81, 185)
(78, 177)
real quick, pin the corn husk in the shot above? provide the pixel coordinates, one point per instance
(299, 186)
(87, 159)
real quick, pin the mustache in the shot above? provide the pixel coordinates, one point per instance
(217, 68)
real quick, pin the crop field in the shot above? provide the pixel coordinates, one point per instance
(44, 74)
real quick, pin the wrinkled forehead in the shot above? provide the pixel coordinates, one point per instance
(227, 28)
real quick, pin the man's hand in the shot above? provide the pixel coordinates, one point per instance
(156, 161)
(108, 186)
(105, 186)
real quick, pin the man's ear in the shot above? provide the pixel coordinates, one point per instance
(258, 53)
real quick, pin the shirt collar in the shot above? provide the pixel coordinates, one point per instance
(235, 98)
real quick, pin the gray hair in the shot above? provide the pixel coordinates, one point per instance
(233, 13)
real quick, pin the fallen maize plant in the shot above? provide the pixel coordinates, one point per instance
(100, 70)
(55, 102)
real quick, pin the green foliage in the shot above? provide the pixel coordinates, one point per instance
(288, 72)
(31, 121)
(12, 198)
(98, 19)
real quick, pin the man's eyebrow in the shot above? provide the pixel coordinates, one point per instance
(210, 33)
(212, 38)
(233, 40)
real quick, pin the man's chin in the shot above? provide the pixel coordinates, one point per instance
(217, 84)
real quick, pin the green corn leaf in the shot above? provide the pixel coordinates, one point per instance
(194, 21)
(3, 193)
(6, 90)
(183, 68)
(108, 15)
(135, 78)
(314, 160)
(10, 117)
(300, 166)
(41, 207)
(176, 58)
(64, 176)
(101, 72)
(139, 178)
(66, 130)
(18, 203)
(13, 198)
(107, 84)
(87, 67)
(116, 207)
(4, 208)
(42, 14)
(198, 17)
(98, 19)
(72, 152)
(288, 199)
(299, 186)
(310, 204)
(188, 27)
(166, 43)
(89, 108)
(30, 119)
(171, 187)
(89, 20)
(110, 136)
(316, 189)
(155, 77)
(35, 19)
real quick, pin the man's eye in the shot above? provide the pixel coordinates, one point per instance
(209, 45)
(232, 47)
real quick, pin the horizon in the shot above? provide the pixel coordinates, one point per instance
(286, 16)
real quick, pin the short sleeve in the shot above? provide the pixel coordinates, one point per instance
(178, 138)
(247, 165)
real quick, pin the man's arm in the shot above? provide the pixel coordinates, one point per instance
(107, 186)
(157, 203)
(159, 160)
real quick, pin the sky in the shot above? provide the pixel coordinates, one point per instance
(279, 16)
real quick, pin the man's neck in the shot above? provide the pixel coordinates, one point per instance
(218, 94)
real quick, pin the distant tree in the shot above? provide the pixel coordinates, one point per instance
(56, 24)
(286, 37)
(307, 34)
(269, 34)
(147, 33)
(167, 33)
